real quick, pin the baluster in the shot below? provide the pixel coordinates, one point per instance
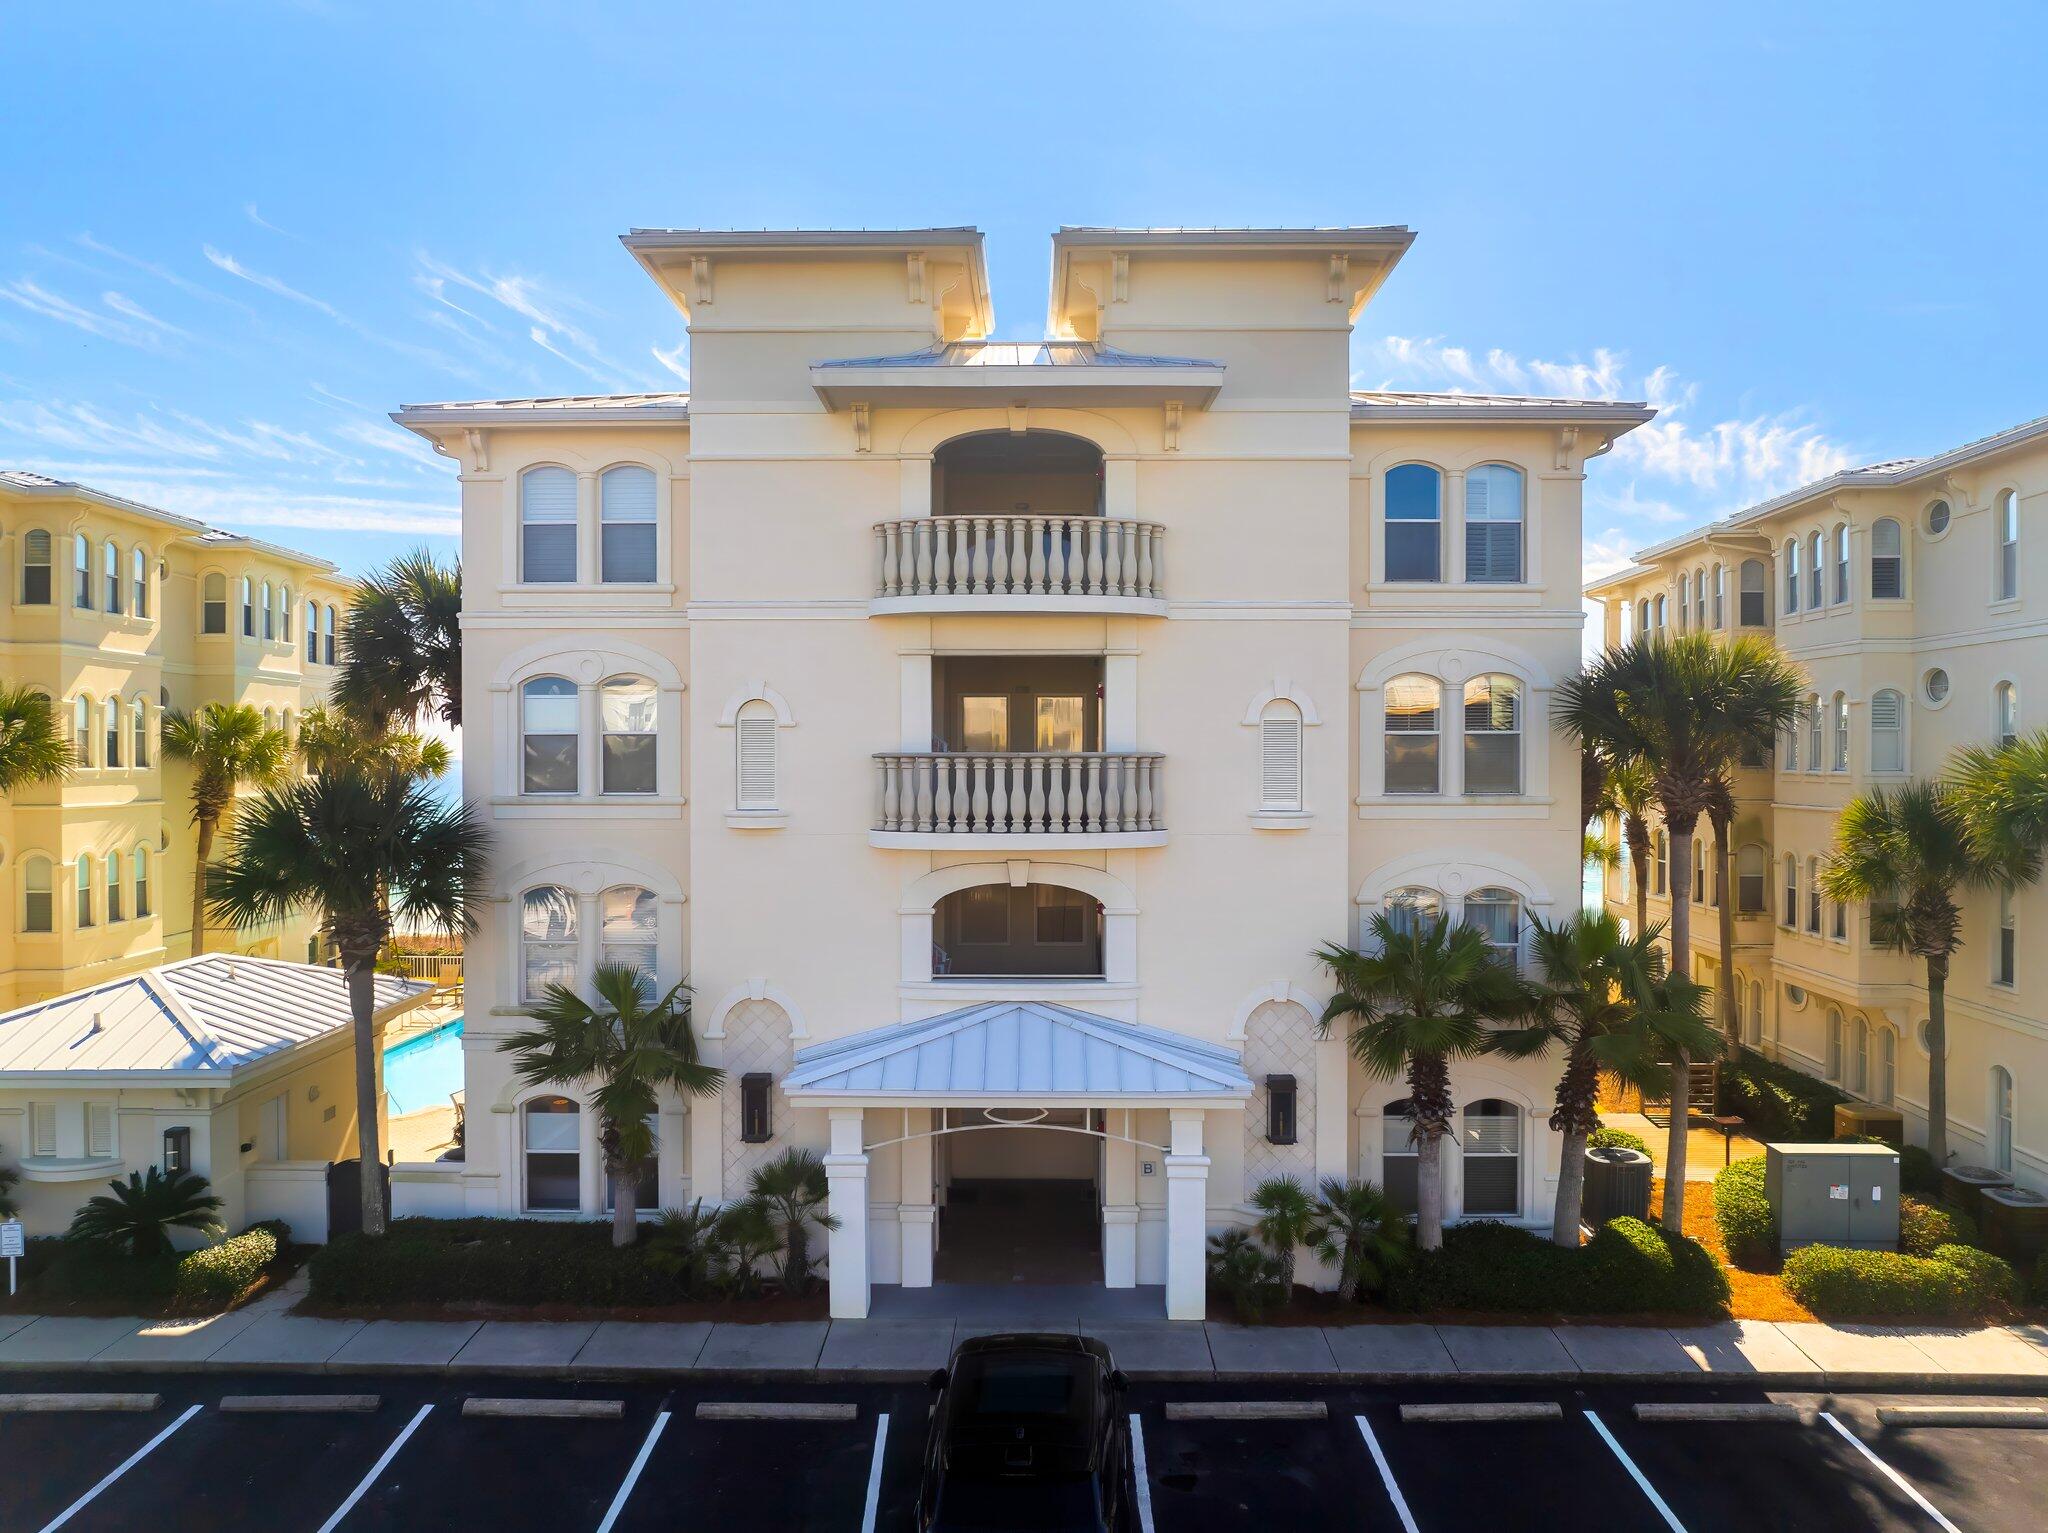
(999, 557)
(1112, 794)
(1127, 793)
(1034, 807)
(913, 794)
(1094, 587)
(1020, 555)
(952, 575)
(1127, 535)
(881, 559)
(887, 765)
(1159, 562)
(976, 569)
(941, 816)
(1071, 769)
(1112, 558)
(1092, 806)
(921, 573)
(1145, 560)
(978, 809)
(999, 795)
(1146, 791)
(1035, 565)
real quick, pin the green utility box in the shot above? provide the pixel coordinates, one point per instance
(1834, 1195)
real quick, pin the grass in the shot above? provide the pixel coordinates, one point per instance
(1752, 1295)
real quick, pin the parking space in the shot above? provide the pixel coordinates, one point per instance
(1209, 1476)
(47, 1462)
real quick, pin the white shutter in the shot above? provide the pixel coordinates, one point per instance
(99, 1128)
(1280, 758)
(42, 1129)
(757, 760)
(547, 513)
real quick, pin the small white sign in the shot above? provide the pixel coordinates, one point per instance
(1877, 1194)
(13, 1241)
(1838, 1191)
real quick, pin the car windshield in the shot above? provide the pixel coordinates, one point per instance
(1021, 1415)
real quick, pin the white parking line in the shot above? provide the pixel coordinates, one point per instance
(1642, 1481)
(1372, 1445)
(1138, 1474)
(867, 1520)
(1890, 1473)
(633, 1475)
(376, 1469)
(125, 1465)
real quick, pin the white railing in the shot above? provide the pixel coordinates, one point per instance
(432, 966)
(1020, 555)
(1021, 794)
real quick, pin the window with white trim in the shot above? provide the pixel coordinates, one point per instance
(1887, 1066)
(1859, 1058)
(628, 707)
(312, 633)
(1755, 590)
(35, 568)
(754, 748)
(547, 526)
(1813, 896)
(1699, 598)
(141, 883)
(1840, 711)
(1684, 600)
(1414, 522)
(1662, 847)
(553, 1150)
(1493, 735)
(548, 708)
(213, 616)
(1496, 914)
(1398, 1157)
(629, 925)
(1833, 1062)
(1756, 1012)
(81, 572)
(1491, 1145)
(1887, 561)
(138, 602)
(626, 525)
(1494, 517)
(1720, 596)
(284, 614)
(269, 620)
(1790, 917)
(2005, 713)
(2006, 963)
(38, 898)
(1749, 881)
(1887, 731)
(327, 625)
(1791, 575)
(1407, 910)
(42, 1129)
(117, 888)
(1661, 609)
(547, 940)
(83, 870)
(1842, 561)
(110, 727)
(1280, 757)
(2001, 1119)
(1414, 734)
(1816, 596)
(110, 577)
(2007, 528)
(248, 608)
(138, 732)
(1815, 724)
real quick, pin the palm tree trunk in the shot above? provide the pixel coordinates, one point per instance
(1571, 1191)
(1724, 911)
(1937, 1058)
(625, 1204)
(200, 858)
(1429, 1190)
(1637, 834)
(1347, 1277)
(361, 968)
(796, 1266)
(1577, 1114)
(1673, 1217)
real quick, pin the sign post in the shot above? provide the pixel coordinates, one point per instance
(13, 1246)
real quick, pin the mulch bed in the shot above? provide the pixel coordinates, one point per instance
(764, 1310)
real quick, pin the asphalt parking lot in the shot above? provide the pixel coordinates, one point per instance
(418, 1460)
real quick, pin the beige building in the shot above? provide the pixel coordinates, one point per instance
(117, 611)
(1912, 599)
(991, 732)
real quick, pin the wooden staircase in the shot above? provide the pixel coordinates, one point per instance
(1702, 1094)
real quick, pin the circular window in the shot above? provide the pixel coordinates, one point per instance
(1795, 995)
(1920, 1037)
(1937, 518)
(1936, 685)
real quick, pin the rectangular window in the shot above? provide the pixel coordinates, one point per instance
(1061, 724)
(984, 723)
(1060, 915)
(1412, 735)
(553, 1164)
(626, 526)
(1398, 1162)
(42, 1129)
(1280, 758)
(1493, 739)
(547, 532)
(1493, 525)
(985, 916)
(35, 569)
(177, 1150)
(81, 571)
(2008, 953)
(1414, 523)
(99, 1129)
(755, 1124)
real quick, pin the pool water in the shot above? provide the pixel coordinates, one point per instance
(424, 1071)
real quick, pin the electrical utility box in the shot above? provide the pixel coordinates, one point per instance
(1834, 1195)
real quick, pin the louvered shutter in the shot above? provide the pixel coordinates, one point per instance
(1887, 732)
(42, 1128)
(547, 515)
(99, 1128)
(1493, 526)
(757, 760)
(1280, 758)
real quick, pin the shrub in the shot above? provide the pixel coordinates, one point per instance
(1917, 1172)
(217, 1275)
(1776, 1101)
(1248, 1274)
(280, 1231)
(1923, 1226)
(1955, 1281)
(501, 1261)
(138, 1219)
(1991, 1276)
(1630, 1264)
(76, 1269)
(1749, 1229)
(2037, 1286)
(1616, 1139)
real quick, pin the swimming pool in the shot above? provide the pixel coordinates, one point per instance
(424, 1071)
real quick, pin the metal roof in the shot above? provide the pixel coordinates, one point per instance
(558, 409)
(22, 482)
(1388, 404)
(1017, 1049)
(998, 372)
(1315, 238)
(197, 1020)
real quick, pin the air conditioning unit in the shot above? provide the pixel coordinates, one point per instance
(1964, 1186)
(1617, 1184)
(1865, 1120)
(1834, 1195)
(2015, 1224)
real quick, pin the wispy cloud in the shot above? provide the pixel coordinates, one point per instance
(27, 293)
(261, 222)
(551, 326)
(285, 290)
(389, 439)
(122, 304)
(673, 360)
(159, 271)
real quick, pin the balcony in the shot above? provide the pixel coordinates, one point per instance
(1025, 562)
(1017, 800)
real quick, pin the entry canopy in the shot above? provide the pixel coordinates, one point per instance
(1024, 1052)
(995, 374)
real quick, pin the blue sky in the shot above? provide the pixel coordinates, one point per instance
(234, 235)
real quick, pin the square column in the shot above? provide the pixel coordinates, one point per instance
(1120, 1206)
(846, 1176)
(914, 1214)
(1187, 1218)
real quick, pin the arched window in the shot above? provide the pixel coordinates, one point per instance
(628, 706)
(1643, 618)
(547, 940)
(1754, 590)
(2007, 958)
(1887, 1066)
(1813, 895)
(552, 1146)
(38, 899)
(81, 572)
(110, 577)
(1660, 614)
(1280, 757)
(1887, 731)
(1792, 745)
(1720, 596)
(1684, 600)
(2001, 1119)
(1749, 881)
(327, 626)
(548, 709)
(1839, 711)
(1791, 918)
(1814, 725)
(1408, 909)
(1493, 735)
(1493, 524)
(1662, 847)
(1756, 1011)
(248, 608)
(35, 569)
(288, 722)
(312, 633)
(628, 925)
(117, 887)
(1817, 578)
(1699, 598)
(2007, 528)
(2005, 713)
(754, 766)
(1791, 575)
(83, 869)
(1842, 561)
(547, 526)
(626, 525)
(1887, 563)
(1492, 1146)
(1859, 1058)
(138, 579)
(1497, 913)
(213, 617)
(81, 729)
(269, 622)
(1398, 1156)
(284, 614)
(141, 883)
(1413, 734)
(1415, 522)
(110, 723)
(1833, 1063)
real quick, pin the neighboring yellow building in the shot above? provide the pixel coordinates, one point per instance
(1911, 594)
(116, 611)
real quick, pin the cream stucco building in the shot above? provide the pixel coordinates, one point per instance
(991, 732)
(1910, 594)
(116, 611)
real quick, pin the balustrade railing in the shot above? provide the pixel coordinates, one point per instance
(1020, 793)
(1020, 555)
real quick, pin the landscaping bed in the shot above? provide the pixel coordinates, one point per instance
(59, 1276)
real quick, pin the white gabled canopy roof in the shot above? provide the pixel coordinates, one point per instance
(1011, 1051)
(194, 1022)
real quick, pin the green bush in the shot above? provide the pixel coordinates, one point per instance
(1632, 1265)
(1247, 1274)
(218, 1275)
(1776, 1101)
(1918, 1174)
(1627, 1266)
(1923, 1226)
(1616, 1139)
(2037, 1286)
(1955, 1281)
(500, 1261)
(62, 1268)
(280, 1231)
(1749, 1229)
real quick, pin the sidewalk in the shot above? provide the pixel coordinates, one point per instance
(265, 1337)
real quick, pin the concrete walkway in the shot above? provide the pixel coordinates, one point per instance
(265, 1336)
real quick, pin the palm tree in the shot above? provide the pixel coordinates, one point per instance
(1627, 793)
(1607, 1002)
(1423, 999)
(229, 748)
(1688, 710)
(32, 744)
(1285, 1218)
(627, 1047)
(1721, 888)
(401, 653)
(1908, 851)
(791, 1191)
(361, 848)
(329, 738)
(2003, 791)
(1358, 1231)
(143, 1211)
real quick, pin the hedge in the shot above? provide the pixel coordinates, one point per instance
(1627, 1266)
(219, 1274)
(1954, 1281)
(1749, 1229)
(1923, 1226)
(1776, 1101)
(74, 1269)
(1616, 1139)
(500, 1261)
(1630, 1264)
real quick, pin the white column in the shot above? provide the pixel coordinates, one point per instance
(914, 492)
(846, 1176)
(1332, 1100)
(1120, 488)
(707, 1133)
(916, 685)
(914, 1212)
(1120, 701)
(586, 529)
(1187, 1218)
(1119, 1205)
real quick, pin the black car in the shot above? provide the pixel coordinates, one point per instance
(1028, 1432)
